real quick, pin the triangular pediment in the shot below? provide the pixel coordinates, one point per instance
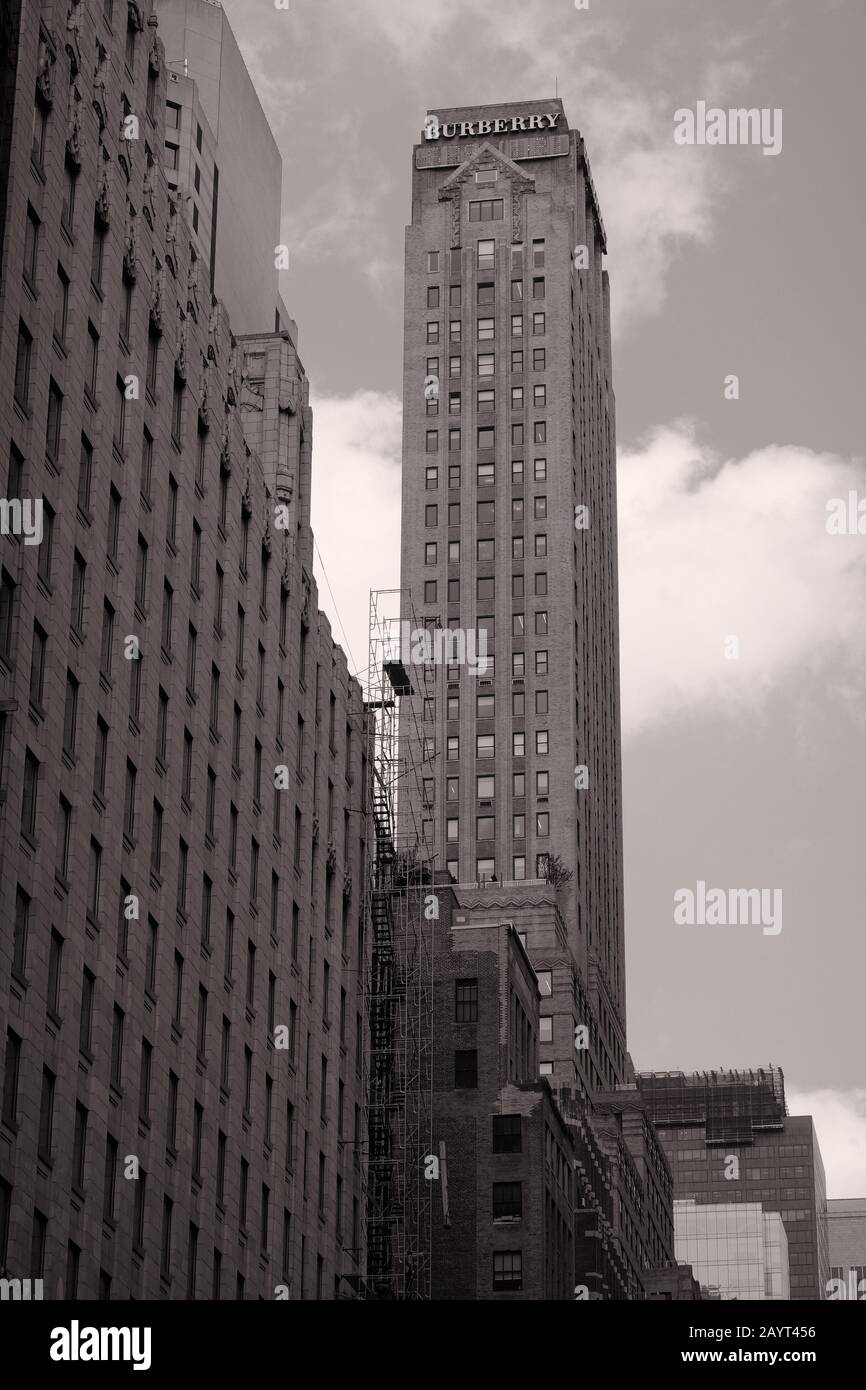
(487, 156)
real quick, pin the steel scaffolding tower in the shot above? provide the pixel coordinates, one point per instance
(400, 990)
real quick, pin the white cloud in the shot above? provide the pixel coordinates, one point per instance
(840, 1123)
(357, 444)
(708, 549)
(712, 549)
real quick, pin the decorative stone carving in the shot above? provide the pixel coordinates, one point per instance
(130, 248)
(247, 495)
(171, 235)
(232, 392)
(347, 884)
(103, 190)
(153, 55)
(192, 306)
(135, 15)
(288, 401)
(316, 828)
(203, 405)
(267, 541)
(45, 66)
(73, 127)
(213, 330)
(73, 37)
(331, 856)
(286, 573)
(180, 356)
(148, 188)
(226, 448)
(156, 295)
(305, 610)
(100, 73)
(488, 156)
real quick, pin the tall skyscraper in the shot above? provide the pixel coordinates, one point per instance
(509, 583)
(182, 748)
(509, 524)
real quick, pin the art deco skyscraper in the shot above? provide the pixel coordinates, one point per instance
(509, 533)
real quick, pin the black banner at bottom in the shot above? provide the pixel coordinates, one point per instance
(58, 1340)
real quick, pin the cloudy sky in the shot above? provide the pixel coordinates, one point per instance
(740, 772)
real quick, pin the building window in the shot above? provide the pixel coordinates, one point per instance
(54, 425)
(545, 1030)
(79, 1147)
(67, 215)
(507, 1201)
(40, 132)
(11, 1075)
(517, 326)
(177, 412)
(507, 1134)
(30, 795)
(486, 255)
(507, 1270)
(466, 1001)
(97, 257)
(61, 307)
(466, 1070)
(486, 210)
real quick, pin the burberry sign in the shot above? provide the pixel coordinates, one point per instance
(500, 125)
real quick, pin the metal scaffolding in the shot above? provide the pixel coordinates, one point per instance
(400, 988)
(730, 1104)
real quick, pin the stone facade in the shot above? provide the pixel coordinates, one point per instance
(182, 749)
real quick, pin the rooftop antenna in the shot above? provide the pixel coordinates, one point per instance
(556, 86)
